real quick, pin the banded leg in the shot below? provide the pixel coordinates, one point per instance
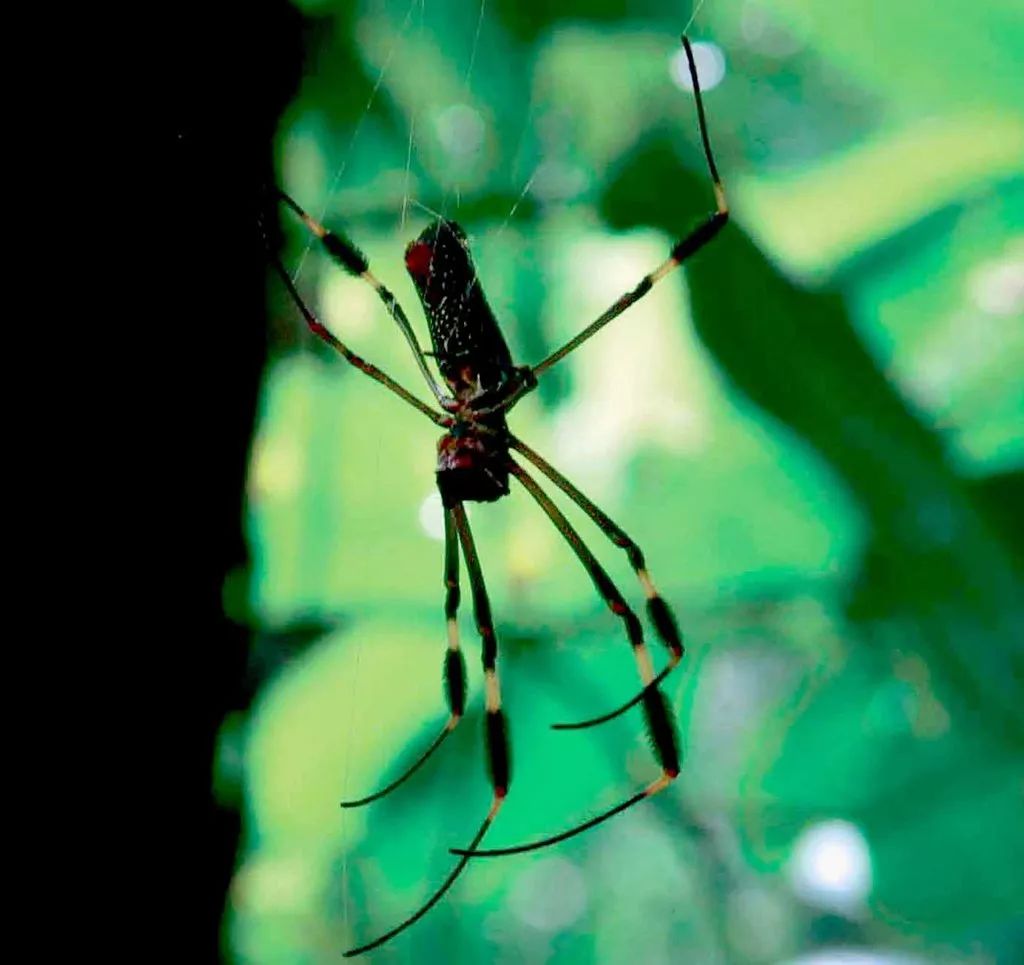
(349, 258)
(657, 609)
(657, 714)
(498, 757)
(454, 665)
(318, 329)
(683, 249)
(602, 581)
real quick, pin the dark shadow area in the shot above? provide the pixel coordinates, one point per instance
(232, 72)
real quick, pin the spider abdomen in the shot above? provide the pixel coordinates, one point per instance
(471, 467)
(470, 350)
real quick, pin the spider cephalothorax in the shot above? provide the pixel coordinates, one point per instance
(474, 463)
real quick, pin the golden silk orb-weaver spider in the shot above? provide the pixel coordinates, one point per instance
(474, 464)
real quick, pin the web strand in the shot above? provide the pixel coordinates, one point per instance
(340, 172)
(412, 135)
(693, 16)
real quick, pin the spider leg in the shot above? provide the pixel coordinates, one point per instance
(682, 250)
(348, 257)
(602, 581)
(657, 715)
(657, 609)
(318, 329)
(496, 732)
(437, 895)
(653, 788)
(498, 758)
(454, 666)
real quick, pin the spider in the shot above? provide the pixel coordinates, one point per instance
(474, 463)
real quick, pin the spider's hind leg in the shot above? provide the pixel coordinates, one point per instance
(656, 711)
(658, 610)
(496, 732)
(498, 756)
(454, 663)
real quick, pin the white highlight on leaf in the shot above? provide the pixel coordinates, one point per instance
(997, 287)
(277, 468)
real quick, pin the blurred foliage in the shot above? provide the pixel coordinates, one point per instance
(815, 432)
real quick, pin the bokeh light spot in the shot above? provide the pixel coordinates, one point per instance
(549, 895)
(763, 32)
(460, 129)
(710, 63)
(432, 516)
(997, 287)
(856, 956)
(831, 866)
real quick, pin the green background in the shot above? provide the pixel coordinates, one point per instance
(814, 431)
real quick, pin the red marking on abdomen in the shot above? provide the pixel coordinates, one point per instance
(417, 259)
(460, 452)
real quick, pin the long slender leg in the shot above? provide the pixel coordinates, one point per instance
(496, 732)
(602, 581)
(371, 370)
(348, 257)
(657, 714)
(498, 757)
(657, 609)
(454, 665)
(437, 895)
(682, 250)
(653, 788)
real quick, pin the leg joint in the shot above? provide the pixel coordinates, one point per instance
(451, 601)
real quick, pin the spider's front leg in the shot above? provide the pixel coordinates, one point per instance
(349, 258)
(321, 332)
(683, 249)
